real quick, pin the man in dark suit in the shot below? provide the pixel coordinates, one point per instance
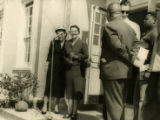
(116, 65)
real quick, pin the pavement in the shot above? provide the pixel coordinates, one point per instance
(85, 112)
(32, 114)
(2, 118)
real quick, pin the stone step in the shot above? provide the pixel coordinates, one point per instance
(11, 114)
(31, 114)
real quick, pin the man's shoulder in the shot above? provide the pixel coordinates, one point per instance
(115, 24)
(131, 22)
(118, 26)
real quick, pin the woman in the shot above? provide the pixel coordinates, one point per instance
(76, 51)
(57, 71)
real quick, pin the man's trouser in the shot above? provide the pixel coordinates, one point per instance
(115, 95)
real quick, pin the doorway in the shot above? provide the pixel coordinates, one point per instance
(93, 82)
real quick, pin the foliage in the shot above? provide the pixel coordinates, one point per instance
(17, 84)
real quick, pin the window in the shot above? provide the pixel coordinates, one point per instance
(29, 11)
(99, 20)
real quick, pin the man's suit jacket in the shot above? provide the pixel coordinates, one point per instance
(117, 41)
(134, 26)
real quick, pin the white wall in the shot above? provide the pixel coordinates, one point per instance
(52, 17)
(43, 31)
(79, 14)
(13, 32)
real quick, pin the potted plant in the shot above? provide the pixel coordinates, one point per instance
(17, 86)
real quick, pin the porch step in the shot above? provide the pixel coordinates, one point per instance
(31, 114)
(11, 114)
(89, 115)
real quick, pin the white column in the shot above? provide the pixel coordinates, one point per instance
(13, 30)
(36, 34)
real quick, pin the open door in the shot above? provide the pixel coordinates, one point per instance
(97, 23)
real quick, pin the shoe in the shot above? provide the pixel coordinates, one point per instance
(56, 112)
(67, 116)
(74, 117)
(44, 110)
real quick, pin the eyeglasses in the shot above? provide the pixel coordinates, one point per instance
(73, 31)
(127, 12)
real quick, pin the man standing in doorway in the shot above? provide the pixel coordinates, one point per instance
(116, 66)
(125, 6)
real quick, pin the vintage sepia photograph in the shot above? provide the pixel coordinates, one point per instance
(79, 59)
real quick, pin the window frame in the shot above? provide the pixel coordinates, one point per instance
(28, 6)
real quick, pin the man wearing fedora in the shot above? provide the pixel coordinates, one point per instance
(116, 65)
(56, 66)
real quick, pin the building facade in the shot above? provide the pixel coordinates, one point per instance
(28, 26)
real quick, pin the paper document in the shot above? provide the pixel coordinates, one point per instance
(141, 57)
(144, 68)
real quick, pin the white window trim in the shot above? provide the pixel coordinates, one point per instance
(1, 15)
(28, 37)
(27, 1)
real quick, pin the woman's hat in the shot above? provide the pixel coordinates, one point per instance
(60, 29)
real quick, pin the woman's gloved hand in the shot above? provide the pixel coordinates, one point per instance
(74, 56)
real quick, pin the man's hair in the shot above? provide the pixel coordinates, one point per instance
(126, 3)
(114, 7)
(75, 26)
(153, 15)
